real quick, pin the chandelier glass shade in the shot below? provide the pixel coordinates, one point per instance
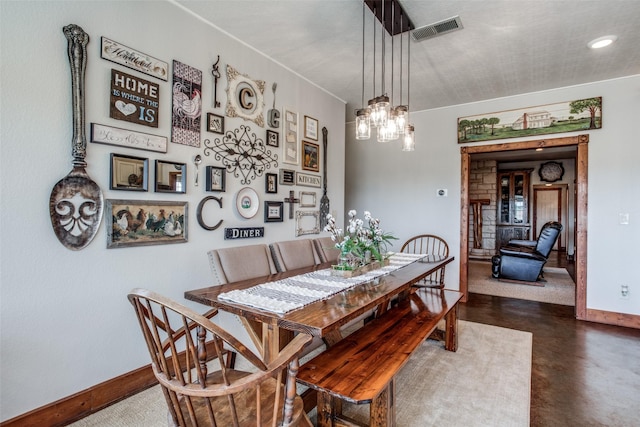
(363, 125)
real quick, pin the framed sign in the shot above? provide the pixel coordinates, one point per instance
(215, 178)
(271, 183)
(310, 128)
(243, 233)
(215, 123)
(287, 177)
(127, 138)
(273, 139)
(273, 211)
(308, 180)
(128, 173)
(134, 99)
(145, 222)
(123, 55)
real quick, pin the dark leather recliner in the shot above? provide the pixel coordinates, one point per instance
(524, 259)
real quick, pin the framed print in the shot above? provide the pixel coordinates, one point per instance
(186, 116)
(215, 123)
(290, 143)
(271, 183)
(145, 222)
(134, 99)
(110, 135)
(307, 199)
(273, 211)
(128, 173)
(215, 178)
(310, 128)
(273, 138)
(171, 177)
(307, 222)
(310, 156)
(571, 116)
(287, 177)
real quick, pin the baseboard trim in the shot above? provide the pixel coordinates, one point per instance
(86, 402)
(612, 318)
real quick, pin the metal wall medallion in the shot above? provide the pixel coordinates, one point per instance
(242, 153)
(245, 97)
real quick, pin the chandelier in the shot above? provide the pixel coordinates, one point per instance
(390, 119)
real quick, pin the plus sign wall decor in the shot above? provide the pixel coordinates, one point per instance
(242, 153)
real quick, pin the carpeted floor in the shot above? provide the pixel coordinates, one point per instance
(558, 289)
(487, 382)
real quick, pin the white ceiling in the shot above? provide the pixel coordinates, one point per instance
(507, 47)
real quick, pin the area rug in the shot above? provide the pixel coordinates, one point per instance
(558, 289)
(487, 382)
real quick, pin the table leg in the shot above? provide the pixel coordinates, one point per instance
(382, 412)
(451, 329)
(326, 409)
(270, 341)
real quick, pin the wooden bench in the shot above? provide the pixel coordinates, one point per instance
(362, 367)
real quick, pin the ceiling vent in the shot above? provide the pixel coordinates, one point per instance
(437, 29)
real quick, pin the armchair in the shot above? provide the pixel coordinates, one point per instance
(524, 259)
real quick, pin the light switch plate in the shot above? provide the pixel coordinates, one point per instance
(623, 218)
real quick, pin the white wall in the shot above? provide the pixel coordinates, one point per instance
(400, 188)
(66, 323)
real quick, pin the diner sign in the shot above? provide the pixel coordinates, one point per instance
(134, 99)
(243, 233)
(123, 55)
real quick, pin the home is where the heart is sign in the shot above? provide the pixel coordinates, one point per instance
(134, 99)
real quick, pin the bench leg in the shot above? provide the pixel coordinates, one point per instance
(451, 329)
(382, 412)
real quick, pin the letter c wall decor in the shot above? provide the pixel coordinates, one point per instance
(199, 212)
(245, 97)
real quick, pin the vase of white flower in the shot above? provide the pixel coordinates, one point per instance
(359, 245)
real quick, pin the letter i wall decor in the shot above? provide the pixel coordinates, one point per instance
(187, 105)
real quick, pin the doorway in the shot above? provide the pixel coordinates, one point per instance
(550, 204)
(580, 142)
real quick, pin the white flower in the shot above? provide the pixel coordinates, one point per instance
(352, 213)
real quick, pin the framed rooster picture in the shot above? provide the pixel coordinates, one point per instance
(145, 222)
(187, 105)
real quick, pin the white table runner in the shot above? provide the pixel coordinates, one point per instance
(289, 294)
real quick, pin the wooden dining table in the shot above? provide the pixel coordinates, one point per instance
(270, 330)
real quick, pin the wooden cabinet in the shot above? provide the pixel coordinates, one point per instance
(513, 206)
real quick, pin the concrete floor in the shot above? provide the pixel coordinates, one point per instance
(583, 373)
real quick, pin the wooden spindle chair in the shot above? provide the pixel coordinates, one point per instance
(431, 245)
(201, 389)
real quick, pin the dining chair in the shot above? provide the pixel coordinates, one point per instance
(241, 263)
(293, 254)
(201, 390)
(431, 245)
(325, 247)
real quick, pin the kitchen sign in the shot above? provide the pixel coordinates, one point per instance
(134, 99)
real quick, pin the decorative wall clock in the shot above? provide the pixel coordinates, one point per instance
(245, 97)
(551, 171)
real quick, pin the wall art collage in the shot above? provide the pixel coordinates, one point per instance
(244, 153)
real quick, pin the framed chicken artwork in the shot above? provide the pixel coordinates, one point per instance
(187, 105)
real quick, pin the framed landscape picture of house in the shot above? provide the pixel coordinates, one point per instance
(570, 116)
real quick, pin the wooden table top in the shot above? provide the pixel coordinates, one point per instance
(324, 316)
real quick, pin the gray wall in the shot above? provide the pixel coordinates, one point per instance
(66, 322)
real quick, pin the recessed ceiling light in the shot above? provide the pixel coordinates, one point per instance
(602, 42)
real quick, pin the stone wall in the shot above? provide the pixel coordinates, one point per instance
(483, 185)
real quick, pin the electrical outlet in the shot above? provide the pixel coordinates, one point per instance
(624, 291)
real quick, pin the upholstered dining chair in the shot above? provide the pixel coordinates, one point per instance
(293, 254)
(241, 263)
(431, 245)
(181, 342)
(325, 247)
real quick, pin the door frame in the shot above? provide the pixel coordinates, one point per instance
(581, 142)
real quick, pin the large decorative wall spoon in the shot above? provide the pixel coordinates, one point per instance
(76, 203)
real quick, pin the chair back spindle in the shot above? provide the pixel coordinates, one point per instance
(432, 245)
